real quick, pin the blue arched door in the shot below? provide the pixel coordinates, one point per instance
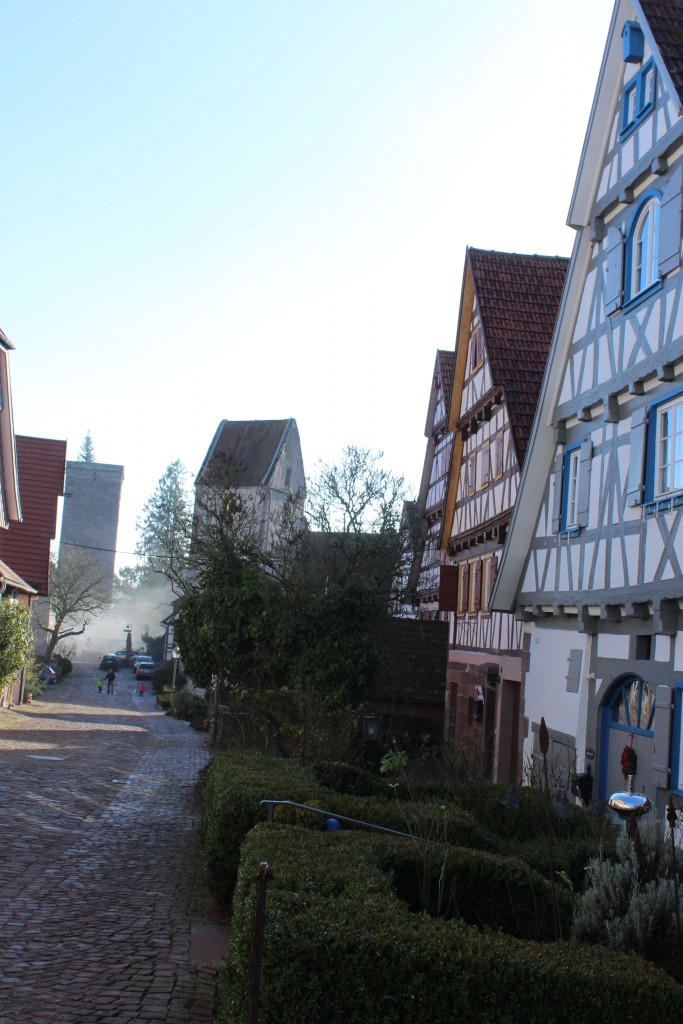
(627, 719)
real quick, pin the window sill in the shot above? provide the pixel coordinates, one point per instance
(636, 122)
(656, 506)
(635, 300)
(570, 532)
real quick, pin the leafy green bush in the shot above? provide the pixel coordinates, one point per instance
(189, 708)
(347, 778)
(484, 889)
(233, 786)
(235, 783)
(340, 948)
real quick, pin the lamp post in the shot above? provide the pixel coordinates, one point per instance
(129, 643)
(175, 654)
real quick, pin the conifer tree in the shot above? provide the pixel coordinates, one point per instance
(87, 452)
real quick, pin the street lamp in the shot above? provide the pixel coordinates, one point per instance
(371, 724)
(129, 643)
(175, 654)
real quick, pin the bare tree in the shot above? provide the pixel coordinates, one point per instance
(80, 590)
(356, 495)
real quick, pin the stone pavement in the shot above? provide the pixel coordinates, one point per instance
(103, 916)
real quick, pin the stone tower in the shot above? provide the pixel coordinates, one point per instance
(90, 520)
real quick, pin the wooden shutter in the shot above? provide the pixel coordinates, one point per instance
(574, 670)
(485, 464)
(614, 269)
(477, 586)
(448, 588)
(498, 456)
(464, 587)
(662, 729)
(670, 224)
(634, 491)
(492, 572)
(557, 493)
(583, 498)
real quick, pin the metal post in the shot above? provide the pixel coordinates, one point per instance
(671, 818)
(264, 874)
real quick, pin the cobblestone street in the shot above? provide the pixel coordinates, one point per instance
(102, 913)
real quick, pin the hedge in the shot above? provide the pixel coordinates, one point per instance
(234, 785)
(340, 947)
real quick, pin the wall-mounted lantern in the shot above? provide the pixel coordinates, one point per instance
(371, 724)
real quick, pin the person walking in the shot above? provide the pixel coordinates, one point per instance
(141, 689)
(111, 679)
(100, 685)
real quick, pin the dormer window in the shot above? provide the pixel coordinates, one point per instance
(638, 98)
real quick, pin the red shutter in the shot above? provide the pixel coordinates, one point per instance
(477, 586)
(448, 588)
(493, 569)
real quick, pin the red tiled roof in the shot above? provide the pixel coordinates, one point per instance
(519, 297)
(665, 18)
(11, 579)
(447, 370)
(26, 545)
(247, 448)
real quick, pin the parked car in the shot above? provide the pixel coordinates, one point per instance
(141, 659)
(122, 656)
(109, 661)
(145, 669)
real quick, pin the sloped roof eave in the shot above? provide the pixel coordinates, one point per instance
(541, 447)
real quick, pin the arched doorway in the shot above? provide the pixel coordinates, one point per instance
(627, 719)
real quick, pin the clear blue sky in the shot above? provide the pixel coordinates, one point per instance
(259, 210)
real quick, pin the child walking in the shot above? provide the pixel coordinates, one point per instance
(100, 685)
(141, 689)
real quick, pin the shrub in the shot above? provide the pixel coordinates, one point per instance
(346, 778)
(484, 889)
(340, 947)
(189, 708)
(628, 904)
(233, 786)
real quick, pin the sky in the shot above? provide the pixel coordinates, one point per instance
(260, 210)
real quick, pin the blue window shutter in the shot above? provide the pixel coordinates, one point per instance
(634, 491)
(662, 729)
(614, 269)
(585, 459)
(557, 495)
(670, 224)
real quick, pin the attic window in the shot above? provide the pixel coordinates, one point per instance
(638, 98)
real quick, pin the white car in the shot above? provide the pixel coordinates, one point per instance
(142, 659)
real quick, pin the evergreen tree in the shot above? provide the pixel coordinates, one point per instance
(164, 528)
(87, 452)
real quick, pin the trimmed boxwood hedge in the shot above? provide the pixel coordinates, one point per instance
(234, 784)
(340, 947)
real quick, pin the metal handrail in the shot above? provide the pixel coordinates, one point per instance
(271, 804)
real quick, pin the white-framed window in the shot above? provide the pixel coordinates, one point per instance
(489, 565)
(668, 475)
(476, 348)
(644, 265)
(474, 602)
(570, 489)
(471, 473)
(484, 465)
(498, 450)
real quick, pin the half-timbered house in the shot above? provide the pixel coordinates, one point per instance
(593, 562)
(431, 500)
(508, 309)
